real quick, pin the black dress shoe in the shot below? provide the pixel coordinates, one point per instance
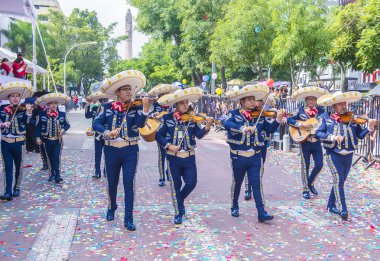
(58, 179)
(182, 211)
(161, 183)
(6, 196)
(178, 219)
(96, 176)
(333, 210)
(45, 167)
(130, 226)
(306, 195)
(51, 178)
(235, 212)
(16, 193)
(110, 214)
(248, 195)
(313, 190)
(344, 215)
(265, 217)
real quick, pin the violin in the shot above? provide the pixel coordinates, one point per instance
(269, 113)
(351, 117)
(16, 108)
(196, 117)
(136, 102)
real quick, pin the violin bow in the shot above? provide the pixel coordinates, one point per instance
(187, 127)
(262, 110)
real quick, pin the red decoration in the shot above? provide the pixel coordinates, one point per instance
(247, 114)
(52, 114)
(311, 112)
(117, 106)
(270, 82)
(336, 117)
(8, 109)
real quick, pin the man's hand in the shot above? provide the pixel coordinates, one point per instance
(6, 124)
(250, 129)
(209, 122)
(280, 115)
(338, 139)
(114, 133)
(146, 104)
(372, 123)
(173, 148)
(39, 142)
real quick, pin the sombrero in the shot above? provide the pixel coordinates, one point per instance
(337, 97)
(98, 96)
(161, 89)
(60, 98)
(134, 78)
(259, 91)
(24, 89)
(190, 94)
(302, 93)
(271, 100)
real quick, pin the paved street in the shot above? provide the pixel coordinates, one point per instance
(50, 222)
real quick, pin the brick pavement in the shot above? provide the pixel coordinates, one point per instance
(50, 222)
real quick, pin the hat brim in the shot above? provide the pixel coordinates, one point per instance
(133, 78)
(259, 91)
(23, 89)
(98, 96)
(348, 97)
(161, 89)
(60, 98)
(301, 94)
(191, 94)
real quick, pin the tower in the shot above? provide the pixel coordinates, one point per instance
(128, 32)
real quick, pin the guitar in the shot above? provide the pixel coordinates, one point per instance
(148, 132)
(299, 135)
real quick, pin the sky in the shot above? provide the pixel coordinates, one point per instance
(110, 11)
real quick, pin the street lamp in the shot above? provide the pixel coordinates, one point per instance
(64, 62)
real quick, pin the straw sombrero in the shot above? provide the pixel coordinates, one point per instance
(60, 98)
(24, 89)
(190, 94)
(161, 89)
(337, 97)
(259, 91)
(98, 96)
(134, 78)
(302, 93)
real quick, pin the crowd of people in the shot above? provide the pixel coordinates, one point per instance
(17, 69)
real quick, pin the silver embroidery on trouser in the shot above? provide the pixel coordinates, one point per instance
(232, 185)
(246, 182)
(4, 171)
(21, 172)
(48, 161)
(160, 162)
(60, 154)
(303, 172)
(335, 175)
(172, 189)
(261, 181)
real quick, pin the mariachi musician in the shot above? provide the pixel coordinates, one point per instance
(339, 131)
(159, 91)
(13, 121)
(119, 123)
(310, 146)
(177, 135)
(91, 112)
(245, 140)
(51, 125)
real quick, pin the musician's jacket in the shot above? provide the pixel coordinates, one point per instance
(238, 140)
(18, 125)
(91, 112)
(330, 127)
(49, 126)
(113, 117)
(300, 115)
(173, 131)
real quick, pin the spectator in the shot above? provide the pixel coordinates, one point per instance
(75, 101)
(19, 68)
(5, 67)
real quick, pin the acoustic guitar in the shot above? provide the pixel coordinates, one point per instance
(299, 135)
(148, 132)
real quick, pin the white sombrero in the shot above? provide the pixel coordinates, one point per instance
(60, 98)
(161, 89)
(302, 93)
(98, 96)
(259, 91)
(190, 94)
(24, 89)
(134, 78)
(337, 97)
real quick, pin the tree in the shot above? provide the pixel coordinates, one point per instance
(301, 37)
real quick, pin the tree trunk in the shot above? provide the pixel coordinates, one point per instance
(343, 70)
(193, 78)
(292, 75)
(223, 77)
(199, 77)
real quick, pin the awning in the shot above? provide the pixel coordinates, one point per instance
(375, 91)
(5, 53)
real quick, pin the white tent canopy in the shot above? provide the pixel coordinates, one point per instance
(5, 53)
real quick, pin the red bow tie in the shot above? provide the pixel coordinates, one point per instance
(8, 109)
(52, 114)
(247, 114)
(177, 115)
(165, 107)
(117, 106)
(336, 117)
(311, 112)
